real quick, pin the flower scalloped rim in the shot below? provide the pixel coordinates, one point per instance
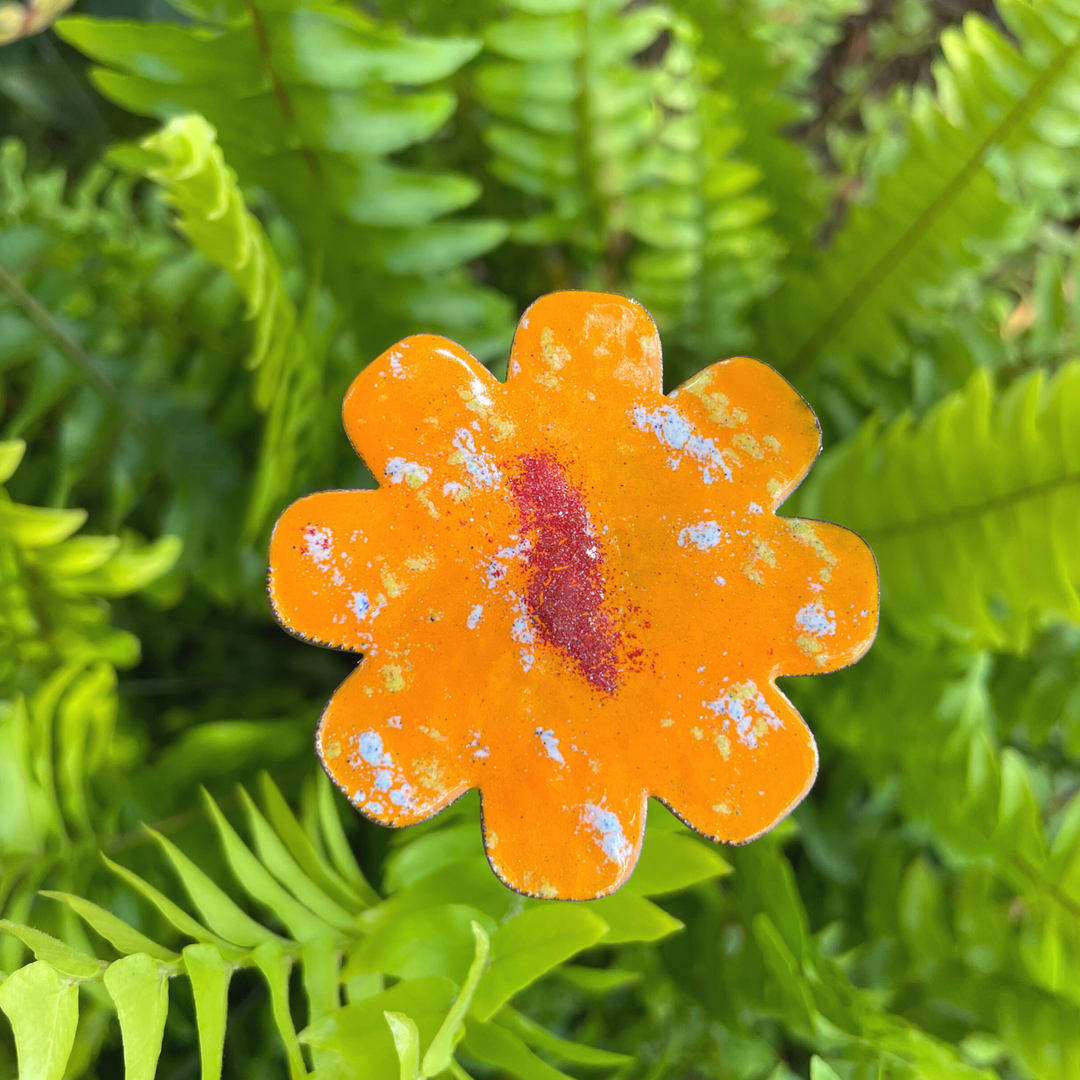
(572, 592)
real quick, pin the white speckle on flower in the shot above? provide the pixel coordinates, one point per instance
(703, 535)
(551, 744)
(755, 509)
(674, 430)
(611, 839)
(746, 707)
(719, 580)
(362, 607)
(403, 795)
(815, 620)
(479, 467)
(318, 543)
(496, 571)
(527, 660)
(475, 615)
(398, 469)
(522, 632)
(370, 747)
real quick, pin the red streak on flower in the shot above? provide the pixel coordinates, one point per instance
(566, 588)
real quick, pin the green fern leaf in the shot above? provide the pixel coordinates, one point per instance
(209, 975)
(140, 990)
(115, 931)
(940, 213)
(970, 512)
(308, 101)
(44, 1013)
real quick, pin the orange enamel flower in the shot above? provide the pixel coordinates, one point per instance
(571, 591)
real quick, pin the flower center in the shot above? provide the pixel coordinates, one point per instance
(565, 593)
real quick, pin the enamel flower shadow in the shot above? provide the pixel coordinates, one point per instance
(571, 591)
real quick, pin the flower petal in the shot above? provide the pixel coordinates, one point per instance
(421, 403)
(826, 615)
(593, 342)
(575, 840)
(346, 569)
(758, 419)
(736, 775)
(393, 769)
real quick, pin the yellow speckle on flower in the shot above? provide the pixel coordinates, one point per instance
(716, 404)
(432, 733)
(390, 584)
(760, 728)
(416, 563)
(491, 839)
(825, 574)
(697, 733)
(809, 645)
(548, 891)
(803, 531)
(333, 749)
(666, 722)
(722, 808)
(745, 441)
(772, 443)
(392, 678)
(774, 487)
(429, 773)
(723, 744)
(753, 573)
(555, 356)
(764, 552)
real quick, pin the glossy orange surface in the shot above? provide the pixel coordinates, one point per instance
(572, 592)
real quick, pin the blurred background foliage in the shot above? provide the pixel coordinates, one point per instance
(214, 212)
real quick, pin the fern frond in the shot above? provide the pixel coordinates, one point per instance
(50, 581)
(944, 210)
(760, 64)
(454, 906)
(706, 250)
(213, 215)
(572, 115)
(309, 102)
(971, 512)
(120, 343)
(1009, 860)
(60, 751)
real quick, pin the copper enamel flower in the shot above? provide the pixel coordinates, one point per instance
(572, 592)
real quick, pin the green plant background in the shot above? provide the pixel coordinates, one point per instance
(214, 212)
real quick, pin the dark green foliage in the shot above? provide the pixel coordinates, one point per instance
(880, 198)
